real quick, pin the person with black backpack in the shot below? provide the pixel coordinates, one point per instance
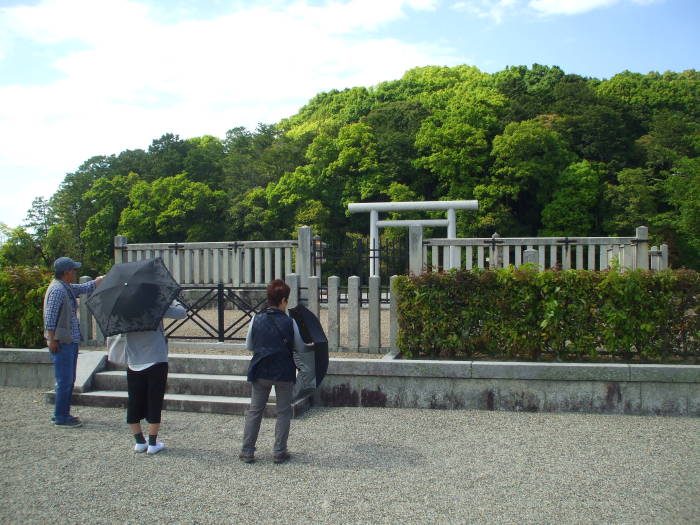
(273, 337)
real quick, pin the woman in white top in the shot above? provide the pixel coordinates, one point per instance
(146, 356)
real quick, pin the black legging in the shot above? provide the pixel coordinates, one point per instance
(146, 391)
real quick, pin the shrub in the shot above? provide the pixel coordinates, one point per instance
(21, 302)
(568, 315)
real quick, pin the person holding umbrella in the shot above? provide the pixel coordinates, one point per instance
(62, 333)
(273, 337)
(130, 307)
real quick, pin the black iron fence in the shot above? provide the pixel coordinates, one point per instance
(352, 255)
(216, 312)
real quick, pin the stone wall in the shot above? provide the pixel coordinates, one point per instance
(532, 387)
(26, 367)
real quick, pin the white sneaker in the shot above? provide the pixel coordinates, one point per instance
(154, 449)
(140, 447)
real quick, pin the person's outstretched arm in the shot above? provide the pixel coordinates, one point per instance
(175, 311)
(299, 344)
(249, 337)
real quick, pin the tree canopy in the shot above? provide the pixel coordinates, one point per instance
(545, 152)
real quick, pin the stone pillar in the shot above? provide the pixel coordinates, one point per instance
(664, 256)
(268, 265)
(354, 313)
(614, 254)
(313, 303)
(317, 255)
(278, 263)
(237, 265)
(495, 253)
(85, 315)
(292, 281)
(303, 259)
(333, 313)
(120, 247)
(247, 266)
(257, 268)
(628, 254)
(415, 249)
(643, 248)
(287, 261)
(373, 243)
(452, 261)
(530, 256)
(393, 315)
(655, 258)
(374, 315)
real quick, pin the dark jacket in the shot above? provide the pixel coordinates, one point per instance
(273, 339)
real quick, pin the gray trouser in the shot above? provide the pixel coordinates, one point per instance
(258, 400)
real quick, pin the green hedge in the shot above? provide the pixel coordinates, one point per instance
(566, 315)
(21, 302)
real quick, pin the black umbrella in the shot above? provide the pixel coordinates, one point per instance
(133, 297)
(311, 330)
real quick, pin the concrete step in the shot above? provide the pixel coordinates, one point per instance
(184, 402)
(233, 365)
(198, 384)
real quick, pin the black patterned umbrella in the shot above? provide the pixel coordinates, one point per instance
(311, 331)
(133, 297)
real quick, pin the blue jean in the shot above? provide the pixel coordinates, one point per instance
(65, 362)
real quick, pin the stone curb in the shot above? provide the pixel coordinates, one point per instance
(515, 370)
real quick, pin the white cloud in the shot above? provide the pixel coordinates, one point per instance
(576, 7)
(568, 7)
(497, 10)
(134, 78)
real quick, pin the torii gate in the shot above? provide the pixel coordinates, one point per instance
(416, 226)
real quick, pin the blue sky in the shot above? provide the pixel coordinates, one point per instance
(80, 78)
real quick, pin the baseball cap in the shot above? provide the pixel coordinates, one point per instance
(63, 264)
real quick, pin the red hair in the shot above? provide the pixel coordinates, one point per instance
(276, 291)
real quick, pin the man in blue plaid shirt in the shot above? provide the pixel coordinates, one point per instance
(62, 333)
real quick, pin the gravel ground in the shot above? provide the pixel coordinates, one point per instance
(352, 466)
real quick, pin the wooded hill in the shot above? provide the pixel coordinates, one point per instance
(545, 153)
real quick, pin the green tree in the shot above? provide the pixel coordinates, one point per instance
(173, 209)
(109, 196)
(631, 202)
(528, 159)
(573, 209)
(455, 141)
(19, 248)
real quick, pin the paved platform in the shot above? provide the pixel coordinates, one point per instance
(351, 466)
